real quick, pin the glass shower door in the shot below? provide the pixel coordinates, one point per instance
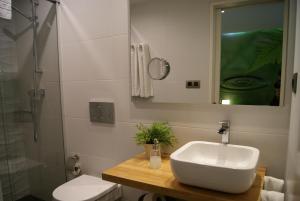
(31, 135)
(11, 144)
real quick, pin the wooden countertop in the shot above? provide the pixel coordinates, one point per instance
(136, 173)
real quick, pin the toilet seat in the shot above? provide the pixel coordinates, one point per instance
(83, 188)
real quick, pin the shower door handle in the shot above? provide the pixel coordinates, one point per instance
(294, 82)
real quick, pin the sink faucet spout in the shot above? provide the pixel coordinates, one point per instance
(225, 131)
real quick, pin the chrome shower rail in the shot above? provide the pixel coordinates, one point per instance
(35, 94)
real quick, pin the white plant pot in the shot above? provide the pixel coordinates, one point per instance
(148, 148)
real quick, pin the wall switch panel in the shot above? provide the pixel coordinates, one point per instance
(192, 84)
(102, 112)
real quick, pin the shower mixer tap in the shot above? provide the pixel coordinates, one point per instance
(36, 2)
(37, 94)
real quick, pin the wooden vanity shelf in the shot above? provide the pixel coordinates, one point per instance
(136, 173)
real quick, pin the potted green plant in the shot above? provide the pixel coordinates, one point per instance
(158, 130)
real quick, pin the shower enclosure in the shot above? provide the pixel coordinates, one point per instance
(31, 134)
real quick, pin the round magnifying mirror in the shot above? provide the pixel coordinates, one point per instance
(158, 68)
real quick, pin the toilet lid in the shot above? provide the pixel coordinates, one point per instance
(83, 188)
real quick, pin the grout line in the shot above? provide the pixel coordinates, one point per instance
(97, 80)
(93, 39)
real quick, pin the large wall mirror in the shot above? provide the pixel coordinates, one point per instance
(249, 53)
(204, 51)
(176, 32)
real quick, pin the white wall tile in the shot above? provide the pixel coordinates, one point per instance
(76, 99)
(120, 18)
(242, 117)
(125, 143)
(100, 59)
(78, 95)
(272, 148)
(90, 138)
(92, 19)
(94, 165)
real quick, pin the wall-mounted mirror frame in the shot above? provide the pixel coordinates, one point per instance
(216, 31)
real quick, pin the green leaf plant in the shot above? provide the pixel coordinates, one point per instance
(158, 130)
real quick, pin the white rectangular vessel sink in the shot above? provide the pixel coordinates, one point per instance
(227, 168)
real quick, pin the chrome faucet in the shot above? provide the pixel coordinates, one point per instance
(225, 131)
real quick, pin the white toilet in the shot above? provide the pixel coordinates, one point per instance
(87, 188)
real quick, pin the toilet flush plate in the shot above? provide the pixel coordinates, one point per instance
(102, 112)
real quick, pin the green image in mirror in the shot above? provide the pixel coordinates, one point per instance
(251, 67)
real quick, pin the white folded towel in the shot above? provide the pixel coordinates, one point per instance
(141, 84)
(273, 184)
(146, 87)
(271, 196)
(5, 9)
(135, 84)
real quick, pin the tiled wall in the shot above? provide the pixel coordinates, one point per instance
(95, 64)
(13, 178)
